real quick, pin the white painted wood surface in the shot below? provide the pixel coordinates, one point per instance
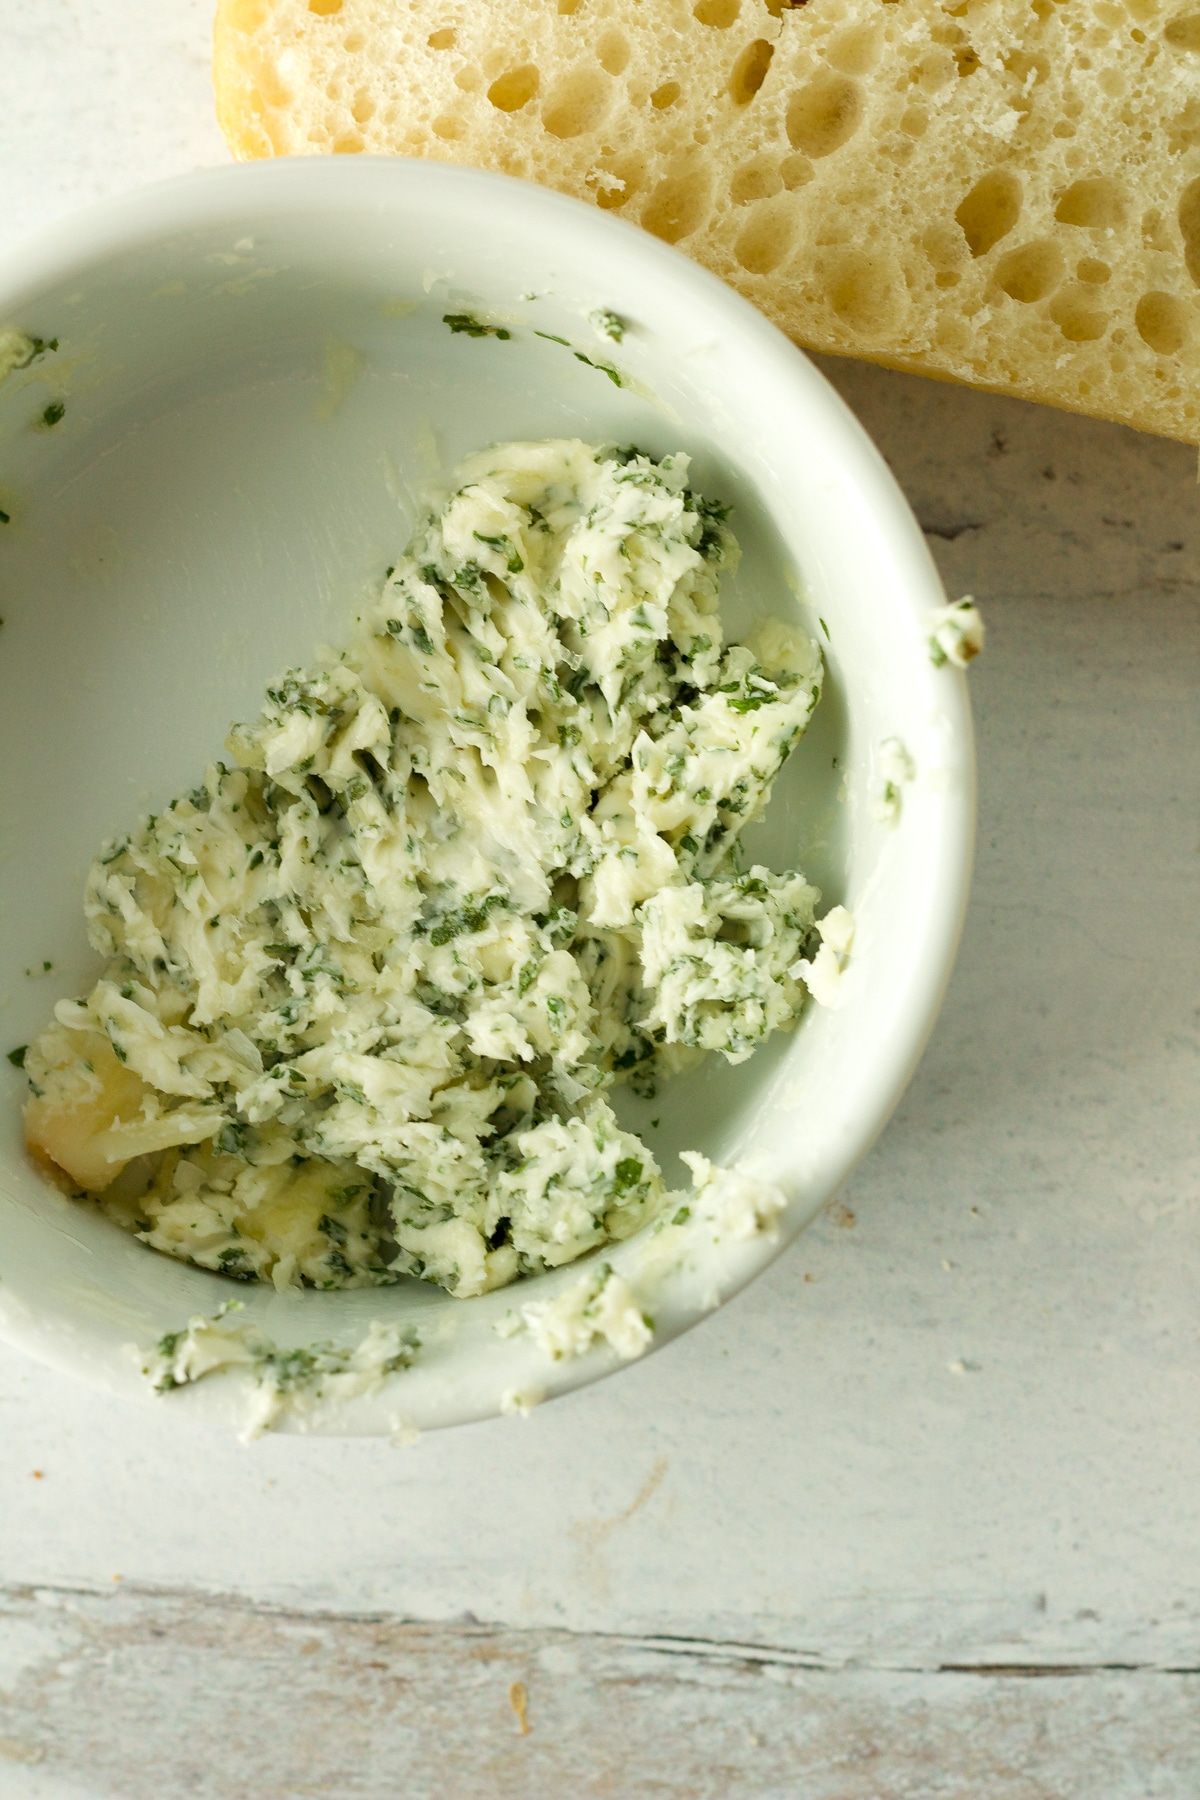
(917, 1514)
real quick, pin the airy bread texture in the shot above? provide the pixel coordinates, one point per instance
(1001, 192)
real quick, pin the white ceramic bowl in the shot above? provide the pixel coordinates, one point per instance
(211, 505)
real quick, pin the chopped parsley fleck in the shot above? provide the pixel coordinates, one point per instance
(470, 326)
(40, 348)
(608, 324)
(614, 375)
(469, 918)
(628, 1172)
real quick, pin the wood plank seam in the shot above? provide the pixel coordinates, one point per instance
(469, 1629)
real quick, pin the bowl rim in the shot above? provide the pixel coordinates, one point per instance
(67, 247)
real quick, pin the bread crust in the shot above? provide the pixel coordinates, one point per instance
(999, 192)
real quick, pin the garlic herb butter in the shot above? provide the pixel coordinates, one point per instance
(367, 984)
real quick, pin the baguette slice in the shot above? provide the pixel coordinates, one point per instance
(1001, 192)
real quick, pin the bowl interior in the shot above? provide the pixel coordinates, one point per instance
(260, 391)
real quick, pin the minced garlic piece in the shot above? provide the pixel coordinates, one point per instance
(823, 974)
(728, 1202)
(958, 633)
(600, 1306)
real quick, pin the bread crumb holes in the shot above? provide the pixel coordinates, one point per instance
(515, 88)
(757, 180)
(824, 114)
(989, 212)
(750, 71)
(1162, 322)
(1097, 203)
(796, 172)
(577, 103)
(720, 14)
(864, 291)
(677, 207)
(1189, 225)
(612, 52)
(1032, 271)
(1075, 315)
(768, 236)
(1183, 33)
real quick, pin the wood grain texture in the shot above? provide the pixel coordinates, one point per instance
(138, 1696)
(958, 1419)
(954, 1430)
(98, 99)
